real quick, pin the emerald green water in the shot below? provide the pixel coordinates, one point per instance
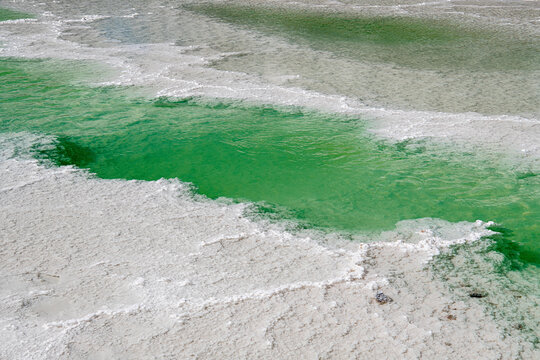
(323, 169)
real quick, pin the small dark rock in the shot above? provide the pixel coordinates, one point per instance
(451, 317)
(477, 295)
(382, 298)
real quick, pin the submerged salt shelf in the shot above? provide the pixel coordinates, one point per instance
(321, 265)
(187, 55)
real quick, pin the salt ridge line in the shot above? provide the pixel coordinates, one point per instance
(203, 304)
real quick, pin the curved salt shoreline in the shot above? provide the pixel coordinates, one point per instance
(137, 269)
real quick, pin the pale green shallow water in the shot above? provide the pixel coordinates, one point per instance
(410, 42)
(6, 14)
(322, 170)
(408, 62)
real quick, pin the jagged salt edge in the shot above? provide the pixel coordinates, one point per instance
(430, 245)
(204, 304)
(92, 316)
(17, 21)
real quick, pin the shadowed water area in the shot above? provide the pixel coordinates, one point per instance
(320, 169)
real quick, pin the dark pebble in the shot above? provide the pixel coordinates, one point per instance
(476, 295)
(382, 298)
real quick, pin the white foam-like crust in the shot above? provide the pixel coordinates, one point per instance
(134, 269)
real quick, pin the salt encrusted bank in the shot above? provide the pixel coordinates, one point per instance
(128, 269)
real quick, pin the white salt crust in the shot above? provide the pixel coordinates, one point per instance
(93, 268)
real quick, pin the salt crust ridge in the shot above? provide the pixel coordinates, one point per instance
(94, 268)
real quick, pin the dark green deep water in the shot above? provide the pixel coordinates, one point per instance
(323, 170)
